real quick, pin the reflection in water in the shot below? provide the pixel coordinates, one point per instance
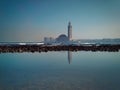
(49, 71)
(69, 57)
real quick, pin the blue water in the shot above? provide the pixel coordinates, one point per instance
(60, 71)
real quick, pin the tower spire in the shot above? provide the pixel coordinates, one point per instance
(69, 23)
(69, 31)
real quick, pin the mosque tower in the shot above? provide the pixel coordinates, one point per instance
(69, 31)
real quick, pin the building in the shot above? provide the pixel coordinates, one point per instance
(49, 40)
(69, 31)
(61, 39)
(66, 39)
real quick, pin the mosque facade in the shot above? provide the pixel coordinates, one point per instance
(62, 39)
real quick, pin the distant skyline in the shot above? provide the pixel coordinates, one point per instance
(32, 20)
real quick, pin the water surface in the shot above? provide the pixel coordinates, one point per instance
(63, 70)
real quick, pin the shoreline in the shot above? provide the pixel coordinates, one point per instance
(46, 48)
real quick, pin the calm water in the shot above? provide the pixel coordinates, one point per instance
(60, 71)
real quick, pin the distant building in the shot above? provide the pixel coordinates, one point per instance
(61, 39)
(69, 31)
(49, 40)
(66, 39)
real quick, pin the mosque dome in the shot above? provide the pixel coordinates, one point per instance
(62, 38)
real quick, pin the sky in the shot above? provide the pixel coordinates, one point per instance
(32, 20)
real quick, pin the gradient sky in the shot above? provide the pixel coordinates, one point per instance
(32, 20)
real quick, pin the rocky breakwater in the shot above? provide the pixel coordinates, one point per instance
(46, 48)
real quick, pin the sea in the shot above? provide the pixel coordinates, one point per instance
(60, 70)
(64, 70)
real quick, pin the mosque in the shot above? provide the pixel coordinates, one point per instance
(61, 39)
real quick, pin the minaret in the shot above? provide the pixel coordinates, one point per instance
(69, 31)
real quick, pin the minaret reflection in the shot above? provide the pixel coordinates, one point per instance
(69, 57)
